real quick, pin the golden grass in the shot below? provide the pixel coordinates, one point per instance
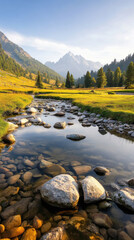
(119, 107)
(9, 102)
(9, 82)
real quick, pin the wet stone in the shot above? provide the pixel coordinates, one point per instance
(9, 139)
(13, 179)
(101, 170)
(37, 222)
(61, 191)
(60, 125)
(125, 198)
(13, 221)
(83, 169)
(18, 208)
(93, 190)
(75, 137)
(29, 234)
(46, 227)
(102, 220)
(123, 236)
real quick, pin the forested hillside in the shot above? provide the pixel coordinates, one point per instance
(25, 60)
(8, 64)
(123, 64)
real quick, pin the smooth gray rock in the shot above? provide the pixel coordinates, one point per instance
(31, 110)
(23, 121)
(75, 137)
(93, 190)
(60, 125)
(60, 114)
(61, 191)
(125, 198)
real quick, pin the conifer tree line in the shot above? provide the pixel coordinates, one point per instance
(69, 80)
(109, 79)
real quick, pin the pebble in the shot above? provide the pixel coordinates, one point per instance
(46, 227)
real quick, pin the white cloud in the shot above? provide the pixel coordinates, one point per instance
(104, 47)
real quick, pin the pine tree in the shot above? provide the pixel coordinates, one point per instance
(57, 82)
(117, 76)
(30, 76)
(101, 78)
(93, 82)
(39, 83)
(110, 78)
(88, 80)
(130, 75)
(72, 80)
(68, 83)
(122, 79)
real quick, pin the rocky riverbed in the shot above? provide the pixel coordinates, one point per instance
(63, 175)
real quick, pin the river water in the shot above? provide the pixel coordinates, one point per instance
(110, 151)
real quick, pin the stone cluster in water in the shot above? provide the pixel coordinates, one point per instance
(26, 183)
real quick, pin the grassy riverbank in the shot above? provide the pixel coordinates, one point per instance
(119, 107)
(9, 102)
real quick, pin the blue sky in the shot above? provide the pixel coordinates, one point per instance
(99, 30)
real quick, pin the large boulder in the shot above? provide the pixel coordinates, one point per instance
(61, 191)
(125, 198)
(60, 125)
(93, 191)
(75, 137)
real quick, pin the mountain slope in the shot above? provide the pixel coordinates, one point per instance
(24, 59)
(9, 64)
(123, 64)
(75, 64)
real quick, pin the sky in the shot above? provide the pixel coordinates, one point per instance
(99, 30)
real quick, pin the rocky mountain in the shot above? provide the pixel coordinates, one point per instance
(75, 64)
(24, 59)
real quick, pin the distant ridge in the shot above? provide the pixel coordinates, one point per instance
(76, 64)
(24, 59)
(123, 64)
